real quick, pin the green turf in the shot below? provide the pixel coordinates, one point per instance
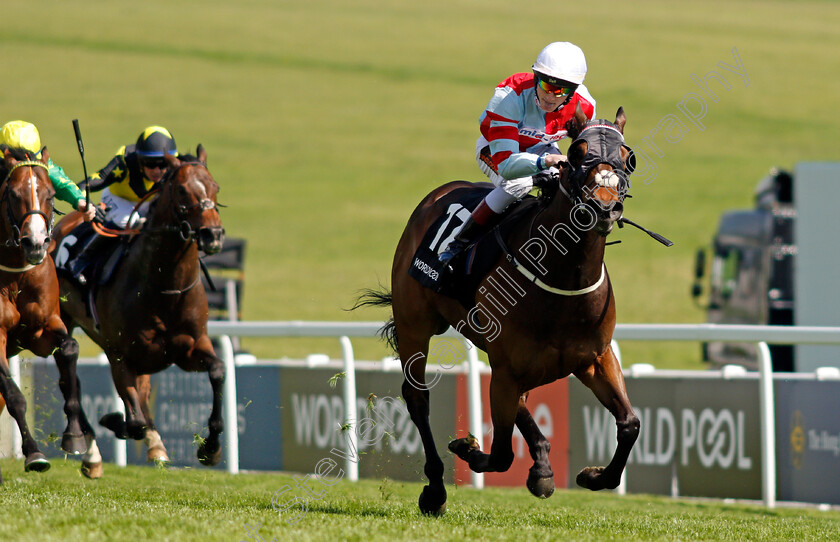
(145, 503)
(327, 121)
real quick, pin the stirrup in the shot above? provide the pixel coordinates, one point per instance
(455, 248)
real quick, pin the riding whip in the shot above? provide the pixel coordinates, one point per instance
(82, 154)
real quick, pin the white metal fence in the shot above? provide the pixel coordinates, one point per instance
(345, 331)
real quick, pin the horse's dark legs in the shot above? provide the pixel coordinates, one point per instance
(210, 451)
(16, 403)
(504, 408)
(606, 381)
(66, 355)
(540, 477)
(125, 380)
(416, 395)
(156, 451)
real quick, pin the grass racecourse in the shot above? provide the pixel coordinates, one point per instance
(137, 503)
(326, 121)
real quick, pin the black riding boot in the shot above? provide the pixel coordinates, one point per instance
(480, 221)
(85, 257)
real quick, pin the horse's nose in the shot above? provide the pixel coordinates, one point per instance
(210, 239)
(34, 248)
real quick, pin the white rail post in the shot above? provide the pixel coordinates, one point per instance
(230, 414)
(768, 426)
(17, 442)
(474, 394)
(350, 409)
(120, 448)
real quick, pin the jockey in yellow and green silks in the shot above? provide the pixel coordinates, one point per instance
(24, 135)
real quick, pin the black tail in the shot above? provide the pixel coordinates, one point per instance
(380, 298)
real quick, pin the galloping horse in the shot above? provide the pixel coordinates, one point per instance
(152, 312)
(547, 311)
(29, 304)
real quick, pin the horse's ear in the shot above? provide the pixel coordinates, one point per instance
(577, 152)
(170, 160)
(8, 158)
(576, 124)
(620, 119)
(45, 156)
(201, 153)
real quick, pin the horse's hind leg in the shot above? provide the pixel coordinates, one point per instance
(156, 450)
(540, 477)
(413, 351)
(16, 403)
(606, 381)
(125, 380)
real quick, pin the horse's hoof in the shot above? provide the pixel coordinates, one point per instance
(93, 471)
(433, 503)
(73, 443)
(114, 422)
(209, 455)
(590, 478)
(36, 462)
(157, 455)
(463, 446)
(542, 488)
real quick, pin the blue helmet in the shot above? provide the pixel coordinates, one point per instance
(154, 142)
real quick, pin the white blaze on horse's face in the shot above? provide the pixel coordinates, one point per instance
(36, 226)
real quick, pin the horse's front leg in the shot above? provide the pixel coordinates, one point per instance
(156, 451)
(33, 458)
(540, 477)
(504, 407)
(125, 380)
(210, 451)
(606, 381)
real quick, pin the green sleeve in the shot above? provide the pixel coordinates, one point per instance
(65, 188)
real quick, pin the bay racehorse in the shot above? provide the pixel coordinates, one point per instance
(29, 299)
(152, 312)
(545, 310)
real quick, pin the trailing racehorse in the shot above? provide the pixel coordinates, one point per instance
(152, 311)
(29, 304)
(543, 310)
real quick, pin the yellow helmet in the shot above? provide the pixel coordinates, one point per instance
(22, 134)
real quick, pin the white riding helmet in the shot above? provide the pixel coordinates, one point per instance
(561, 60)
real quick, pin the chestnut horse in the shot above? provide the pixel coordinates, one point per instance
(546, 311)
(29, 304)
(152, 312)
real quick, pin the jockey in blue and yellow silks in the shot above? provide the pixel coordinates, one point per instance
(24, 135)
(132, 173)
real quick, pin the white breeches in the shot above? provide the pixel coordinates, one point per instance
(119, 210)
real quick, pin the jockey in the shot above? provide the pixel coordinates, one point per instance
(24, 135)
(520, 128)
(134, 171)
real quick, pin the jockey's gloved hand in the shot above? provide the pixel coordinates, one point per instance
(100, 215)
(545, 178)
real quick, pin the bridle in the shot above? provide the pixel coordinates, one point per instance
(15, 224)
(180, 212)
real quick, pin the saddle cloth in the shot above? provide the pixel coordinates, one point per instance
(474, 263)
